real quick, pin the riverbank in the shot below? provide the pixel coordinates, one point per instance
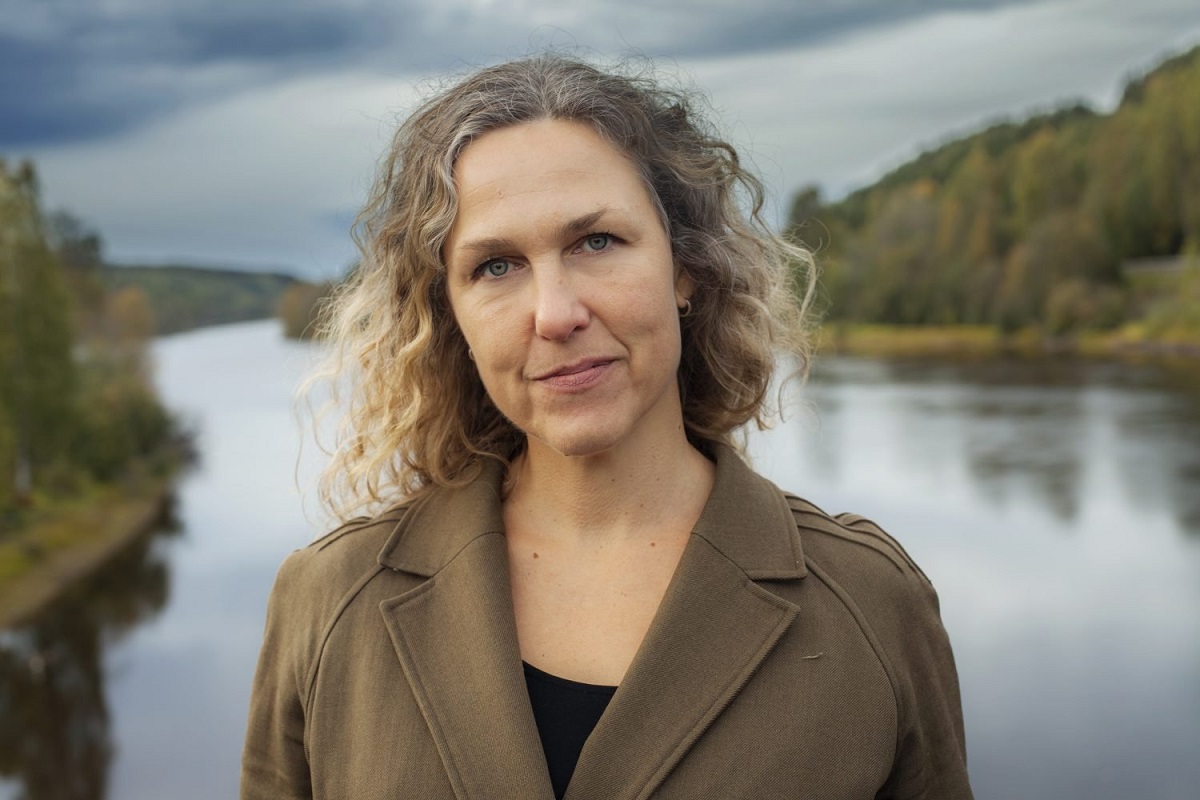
(982, 341)
(54, 551)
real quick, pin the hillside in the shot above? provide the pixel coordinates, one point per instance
(1028, 224)
(184, 297)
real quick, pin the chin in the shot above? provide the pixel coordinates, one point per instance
(586, 439)
(575, 446)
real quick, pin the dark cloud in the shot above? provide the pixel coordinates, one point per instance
(81, 73)
(48, 97)
(268, 35)
(734, 29)
(81, 69)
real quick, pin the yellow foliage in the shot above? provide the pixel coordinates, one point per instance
(128, 316)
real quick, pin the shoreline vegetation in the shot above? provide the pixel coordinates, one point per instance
(184, 298)
(73, 540)
(87, 450)
(1072, 230)
(984, 341)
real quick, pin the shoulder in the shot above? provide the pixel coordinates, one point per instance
(874, 578)
(313, 588)
(352, 543)
(858, 555)
(316, 579)
(896, 608)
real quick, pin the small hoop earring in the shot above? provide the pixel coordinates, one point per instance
(470, 354)
(686, 310)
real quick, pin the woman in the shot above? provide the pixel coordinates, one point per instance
(576, 586)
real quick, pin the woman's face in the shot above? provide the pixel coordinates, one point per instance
(561, 279)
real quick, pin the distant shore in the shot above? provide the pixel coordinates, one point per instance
(982, 341)
(51, 554)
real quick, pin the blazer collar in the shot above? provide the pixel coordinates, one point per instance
(747, 519)
(438, 525)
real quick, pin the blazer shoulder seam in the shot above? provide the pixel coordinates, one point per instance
(357, 524)
(856, 530)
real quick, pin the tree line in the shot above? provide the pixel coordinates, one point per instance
(77, 407)
(1027, 225)
(184, 297)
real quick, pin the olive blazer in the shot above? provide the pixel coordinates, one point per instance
(795, 655)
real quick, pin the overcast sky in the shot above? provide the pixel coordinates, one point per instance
(245, 133)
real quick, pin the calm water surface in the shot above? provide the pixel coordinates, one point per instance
(1055, 506)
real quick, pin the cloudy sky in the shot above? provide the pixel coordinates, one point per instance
(245, 133)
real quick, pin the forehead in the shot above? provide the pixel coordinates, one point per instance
(529, 185)
(542, 155)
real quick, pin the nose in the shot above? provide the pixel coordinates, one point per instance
(558, 309)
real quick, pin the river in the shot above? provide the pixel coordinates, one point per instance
(1055, 505)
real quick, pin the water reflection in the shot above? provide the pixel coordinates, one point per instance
(1159, 447)
(1025, 431)
(55, 741)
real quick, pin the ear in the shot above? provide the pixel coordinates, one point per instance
(684, 287)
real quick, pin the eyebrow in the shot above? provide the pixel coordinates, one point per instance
(572, 227)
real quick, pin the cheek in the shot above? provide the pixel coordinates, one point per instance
(493, 364)
(650, 311)
(473, 326)
(495, 353)
(501, 379)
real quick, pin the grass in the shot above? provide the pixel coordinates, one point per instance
(892, 341)
(66, 542)
(982, 341)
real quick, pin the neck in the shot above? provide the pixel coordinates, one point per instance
(623, 494)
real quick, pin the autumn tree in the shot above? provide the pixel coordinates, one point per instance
(1024, 223)
(300, 308)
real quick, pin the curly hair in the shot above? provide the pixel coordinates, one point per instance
(416, 412)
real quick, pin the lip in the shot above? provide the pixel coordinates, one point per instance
(576, 375)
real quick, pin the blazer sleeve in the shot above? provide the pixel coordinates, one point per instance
(274, 760)
(930, 761)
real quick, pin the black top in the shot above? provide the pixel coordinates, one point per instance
(566, 712)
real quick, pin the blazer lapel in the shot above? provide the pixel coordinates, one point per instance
(713, 629)
(457, 642)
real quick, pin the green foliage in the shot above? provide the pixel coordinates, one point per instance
(76, 404)
(35, 338)
(1022, 224)
(183, 298)
(942, 162)
(1171, 301)
(119, 418)
(78, 249)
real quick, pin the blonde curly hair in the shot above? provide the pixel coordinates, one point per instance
(415, 413)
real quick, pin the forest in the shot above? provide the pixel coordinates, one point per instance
(184, 298)
(1068, 222)
(78, 410)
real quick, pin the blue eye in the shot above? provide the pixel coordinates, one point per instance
(495, 268)
(597, 241)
